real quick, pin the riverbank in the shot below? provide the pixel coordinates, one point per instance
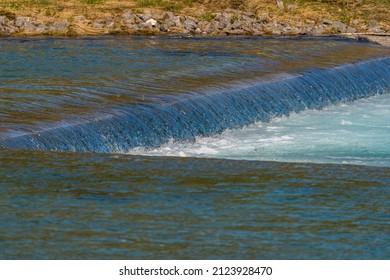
(157, 21)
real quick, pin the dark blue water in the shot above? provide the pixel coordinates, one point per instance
(72, 110)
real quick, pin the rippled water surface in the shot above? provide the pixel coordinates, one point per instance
(198, 148)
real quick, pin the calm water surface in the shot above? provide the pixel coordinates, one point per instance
(312, 181)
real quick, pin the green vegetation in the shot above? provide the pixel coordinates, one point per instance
(207, 17)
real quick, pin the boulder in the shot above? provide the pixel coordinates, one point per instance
(61, 27)
(3, 20)
(163, 28)
(127, 15)
(152, 22)
(22, 21)
(339, 27)
(190, 24)
(372, 24)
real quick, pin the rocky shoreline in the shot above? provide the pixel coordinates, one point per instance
(155, 22)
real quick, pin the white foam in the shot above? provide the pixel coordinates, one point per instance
(337, 134)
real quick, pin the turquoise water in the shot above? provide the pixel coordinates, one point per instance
(348, 133)
(203, 148)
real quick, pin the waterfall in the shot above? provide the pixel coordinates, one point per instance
(210, 112)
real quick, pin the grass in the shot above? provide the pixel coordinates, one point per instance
(342, 10)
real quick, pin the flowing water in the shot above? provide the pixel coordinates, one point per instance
(201, 148)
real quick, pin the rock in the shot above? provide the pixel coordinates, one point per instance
(205, 26)
(42, 28)
(141, 17)
(351, 30)
(233, 32)
(127, 15)
(3, 20)
(178, 21)
(264, 17)
(100, 23)
(79, 19)
(163, 28)
(372, 24)
(339, 26)
(151, 22)
(245, 18)
(133, 27)
(327, 21)
(222, 25)
(169, 16)
(110, 25)
(190, 24)
(198, 31)
(61, 27)
(377, 30)
(236, 25)
(7, 30)
(22, 21)
(317, 30)
(158, 15)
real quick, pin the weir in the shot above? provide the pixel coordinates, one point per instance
(207, 113)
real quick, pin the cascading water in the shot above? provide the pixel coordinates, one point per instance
(209, 109)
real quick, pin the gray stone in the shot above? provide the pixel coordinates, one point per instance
(3, 20)
(7, 30)
(377, 30)
(152, 22)
(223, 25)
(190, 24)
(158, 15)
(42, 28)
(264, 17)
(22, 21)
(100, 23)
(127, 15)
(351, 30)
(233, 32)
(198, 31)
(236, 25)
(169, 16)
(61, 27)
(29, 28)
(248, 19)
(163, 28)
(110, 25)
(79, 19)
(317, 30)
(372, 24)
(178, 21)
(339, 26)
(327, 21)
(142, 17)
(132, 27)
